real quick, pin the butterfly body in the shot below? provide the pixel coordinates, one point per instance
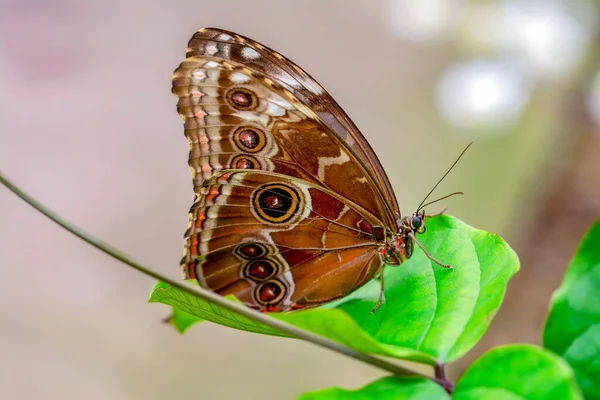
(292, 207)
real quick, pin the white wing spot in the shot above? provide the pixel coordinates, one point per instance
(199, 74)
(212, 64)
(281, 103)
(225, 37)
(238, 77)
(250, 54)
(275, 110)
(288, 80)
(211, 49)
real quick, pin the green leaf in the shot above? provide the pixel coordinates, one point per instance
(180, 319)
(518, 372)
(431, 314)
(203, 310)
(332, 323)
(445, 312)
(573, 326)
(391, 388)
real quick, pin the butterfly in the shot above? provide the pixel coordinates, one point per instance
(292, 207)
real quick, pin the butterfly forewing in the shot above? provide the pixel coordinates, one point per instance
(257, 57)
(272, 65)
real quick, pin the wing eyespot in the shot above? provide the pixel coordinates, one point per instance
(249, 139)
(276, 203)
(242, 99)
(270, 292)
(244, 162)
(251, 251)
(260, 270)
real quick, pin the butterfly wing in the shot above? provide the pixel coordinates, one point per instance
(257, 57)
(297, 87)
(277, 242)
(245, 107)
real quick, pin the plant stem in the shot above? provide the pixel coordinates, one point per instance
(210, 296)
(440, 374)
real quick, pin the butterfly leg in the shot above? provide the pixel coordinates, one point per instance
(382, 286)
(432, 258)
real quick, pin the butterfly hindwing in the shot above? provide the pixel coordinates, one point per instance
(254, 232)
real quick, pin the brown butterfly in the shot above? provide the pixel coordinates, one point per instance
(292, 209)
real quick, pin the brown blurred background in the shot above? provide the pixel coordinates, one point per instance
(88, 126)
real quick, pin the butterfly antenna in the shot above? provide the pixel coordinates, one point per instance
(446, 174)
(436, 200)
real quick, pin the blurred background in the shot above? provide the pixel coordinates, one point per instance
(88, 125)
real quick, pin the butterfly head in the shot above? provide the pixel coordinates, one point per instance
(416, 222)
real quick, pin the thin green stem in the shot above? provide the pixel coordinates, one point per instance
(210, 296)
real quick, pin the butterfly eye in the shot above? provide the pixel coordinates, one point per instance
(416, 222)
